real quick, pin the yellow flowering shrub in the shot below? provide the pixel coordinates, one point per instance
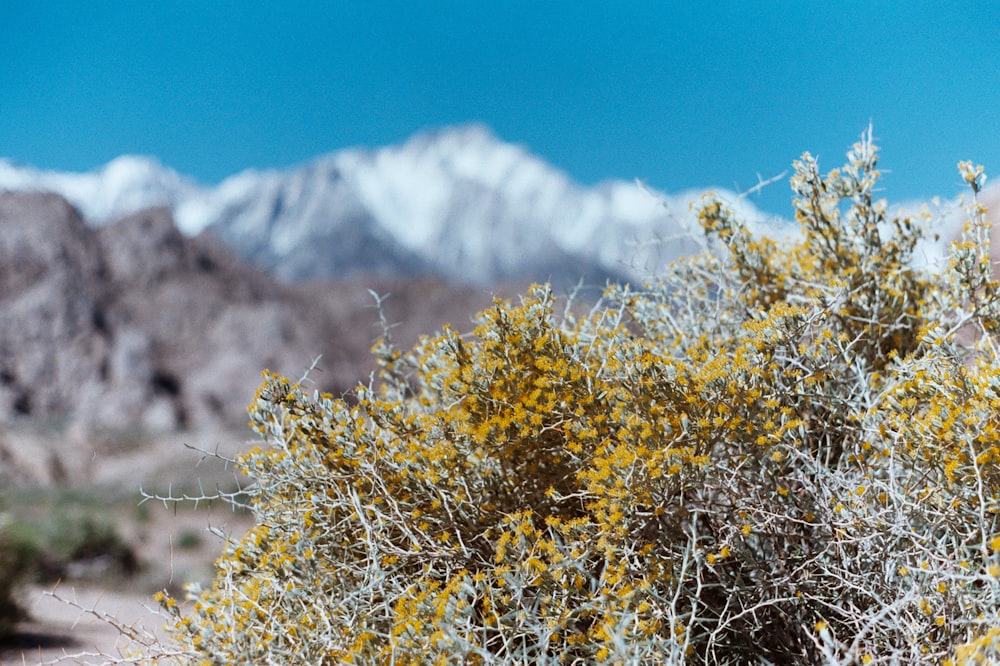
(777, 452)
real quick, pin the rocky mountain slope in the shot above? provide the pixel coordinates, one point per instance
(134, 325)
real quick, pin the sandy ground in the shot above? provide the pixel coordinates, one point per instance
(76, 625)
(79, 622)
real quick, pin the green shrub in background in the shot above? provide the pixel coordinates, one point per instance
(17, 554)
(778, 452)
(71, 533)
(60, 537)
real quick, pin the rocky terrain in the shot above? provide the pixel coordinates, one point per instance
(134, 325)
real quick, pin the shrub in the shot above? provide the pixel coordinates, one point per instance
(52, 544)
(16, 555)
(82, 544)
(777, 452)
(69, 534)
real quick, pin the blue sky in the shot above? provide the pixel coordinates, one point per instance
(677, 94)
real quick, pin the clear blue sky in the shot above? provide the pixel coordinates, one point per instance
(677, 94)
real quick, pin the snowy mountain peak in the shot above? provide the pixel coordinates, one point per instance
(470, 152)
(126, 170)
(124, 185)
(456, 202)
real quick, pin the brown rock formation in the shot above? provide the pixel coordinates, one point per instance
(136, 326)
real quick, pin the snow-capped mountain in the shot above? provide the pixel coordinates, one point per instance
(123, 186)
(456, 202)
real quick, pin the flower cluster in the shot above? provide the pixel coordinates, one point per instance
(776, 452)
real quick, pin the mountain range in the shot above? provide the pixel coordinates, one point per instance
(456, 203)
(134, 297)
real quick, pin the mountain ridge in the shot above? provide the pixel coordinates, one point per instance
(134, 325)
(455, 203)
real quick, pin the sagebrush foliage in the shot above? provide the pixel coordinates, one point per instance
(778, 452)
